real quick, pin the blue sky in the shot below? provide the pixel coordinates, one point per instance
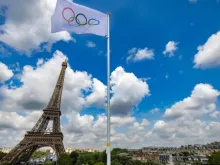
(144, 26)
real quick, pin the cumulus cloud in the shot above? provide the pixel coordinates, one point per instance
(40, 61)
(90, 44)
(79, 124)
(183, 122)
(162, 129)
(116, 120)
(140, 54)
(38, 84)
(28, 26)
(208, 55)
(193, 1)
(139, 126)
(86, 130)
(202, 101)
(180, 129)
(173, 132)
(127, 91)
(80, 90)
(14, 121)
(215, 114)
(170, 49)
(133, 133)
(154, 110)
(5, 72)
(98, 95)
(184, 131)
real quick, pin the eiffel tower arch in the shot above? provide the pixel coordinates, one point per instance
(40, 135)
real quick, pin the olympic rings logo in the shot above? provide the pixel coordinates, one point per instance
(78, 19)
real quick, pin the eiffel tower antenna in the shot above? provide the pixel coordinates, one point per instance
(39, 136)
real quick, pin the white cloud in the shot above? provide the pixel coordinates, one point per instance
(134, 134)
(183, 124)
(14, 121)
(137, 126)
(98, 95)
(79, 124)
(5, 73)
(80, 90)
(202, 101)
(184, 131)
(40, 61)
(91, 44)
(78, 86)
(215, 114)
(85, 130)
(163, 130)
(123, 100)
(122, 120)
(175, 132)
(38, 84)
(140, 54)
(145, 122)
(180, 129)
(171, 47)
(155, 110)
(193, 1)
(208, 55)
(28, 26)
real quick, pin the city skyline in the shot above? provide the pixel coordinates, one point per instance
(165, 86)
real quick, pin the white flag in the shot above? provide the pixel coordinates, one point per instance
(72, 17)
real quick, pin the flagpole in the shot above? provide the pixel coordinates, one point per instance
(108, 94)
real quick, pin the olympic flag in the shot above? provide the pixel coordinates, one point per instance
(72, 17)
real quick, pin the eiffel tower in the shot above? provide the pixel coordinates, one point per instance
(40, 136)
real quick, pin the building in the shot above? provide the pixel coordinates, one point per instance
(69, 150)
(190, 159)
(166, 159)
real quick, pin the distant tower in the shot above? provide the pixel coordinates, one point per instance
(40, 135)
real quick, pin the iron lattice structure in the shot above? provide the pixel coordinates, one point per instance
(39, 136)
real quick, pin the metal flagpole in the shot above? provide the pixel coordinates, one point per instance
(108, 94)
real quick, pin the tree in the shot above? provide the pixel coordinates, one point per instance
(65, 159)
(39, 154)
(137, 162)
(49, 163)
(4, 164)
(214, 159)
(78, 163)
(104, 157)
(116, 151)
(86, 158)
(74, 155)
(185, 153)
(115, 163)
(97, 157)
(99, 163)
(2, 154)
